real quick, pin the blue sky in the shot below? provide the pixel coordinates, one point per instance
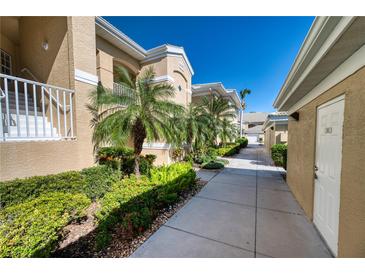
(240, 52)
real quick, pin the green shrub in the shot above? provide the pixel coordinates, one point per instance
(122, 159)
(134, 203)
(105, 154)
(213, 165)
(212, 152)
(229, 150)
(94, 182)
(31, 228)
(98, 180)
(279, 154)
(19, 190)
(242, 141)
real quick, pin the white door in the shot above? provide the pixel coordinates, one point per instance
(328, 170)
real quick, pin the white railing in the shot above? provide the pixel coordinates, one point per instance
(119, 89)
(31, 110)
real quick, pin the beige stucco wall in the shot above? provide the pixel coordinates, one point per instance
(269, 138)
(23, 159)
(301, 157)
(50, 66)
(163, 155)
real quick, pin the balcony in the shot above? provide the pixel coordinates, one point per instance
(33, 111)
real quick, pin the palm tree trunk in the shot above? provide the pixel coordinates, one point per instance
(139, 135)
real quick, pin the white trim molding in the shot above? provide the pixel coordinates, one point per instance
(86, 77)
(163, 78)
(167, 50)
(156, 145)
(347, 68)
(322, 36)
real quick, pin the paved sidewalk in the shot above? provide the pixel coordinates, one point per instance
(246, 211)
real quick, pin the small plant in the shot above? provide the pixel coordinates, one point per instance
(177, 153)
(279, 154)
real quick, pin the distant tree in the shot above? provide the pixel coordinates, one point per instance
(243, 94)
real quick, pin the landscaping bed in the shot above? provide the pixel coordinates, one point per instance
(207, 158)
(41, 213)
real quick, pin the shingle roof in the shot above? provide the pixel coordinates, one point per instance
(254, 117)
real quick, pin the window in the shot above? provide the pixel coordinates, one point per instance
(5, 63)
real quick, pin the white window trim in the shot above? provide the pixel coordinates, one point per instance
(86, 77)
(10, 60)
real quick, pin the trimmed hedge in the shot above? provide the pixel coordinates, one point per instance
(213, 165)
(93, 182)
(279, 154)
(243, 141)
(229, 150)
(135, 203)
(31, 228)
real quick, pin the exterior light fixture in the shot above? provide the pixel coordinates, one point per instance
(45, 45)
(295, 116)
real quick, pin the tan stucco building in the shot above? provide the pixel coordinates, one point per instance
(275, 129)
(252, 126)
(217, 89)
(49, 66)
(324, 95)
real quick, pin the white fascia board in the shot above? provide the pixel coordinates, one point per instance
(86, 77)
(347, 68)
(318, 26)
(156, 145)
(167, 50)
(119, 39)
(163, 78)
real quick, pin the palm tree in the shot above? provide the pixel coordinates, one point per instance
(243, 94)
(216, 109)
(142, 111)
(228, 131)
(195, 125)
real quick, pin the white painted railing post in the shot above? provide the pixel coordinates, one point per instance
(17, 112)
(26, 108)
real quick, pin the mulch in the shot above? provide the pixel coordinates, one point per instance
(79, 238)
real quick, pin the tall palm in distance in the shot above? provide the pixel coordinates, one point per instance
(141, 112)
(243, 94)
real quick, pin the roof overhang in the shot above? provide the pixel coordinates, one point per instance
(332, 50)
(168, 50)
(275, 118)
(117, 38)
(216, 89)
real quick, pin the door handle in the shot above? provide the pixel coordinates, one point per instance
(315, 172)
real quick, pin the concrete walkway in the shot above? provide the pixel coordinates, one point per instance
(246, 210)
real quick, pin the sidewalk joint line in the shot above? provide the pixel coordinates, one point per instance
(207, 238)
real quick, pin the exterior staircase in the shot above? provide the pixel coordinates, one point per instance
(15, 127)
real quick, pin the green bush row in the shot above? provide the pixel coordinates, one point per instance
(134, 203)
(31, 228)
(122, 159)
(229, 150)
(279, 154)
(94, 182)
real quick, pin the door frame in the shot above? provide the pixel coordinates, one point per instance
(326, 104)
